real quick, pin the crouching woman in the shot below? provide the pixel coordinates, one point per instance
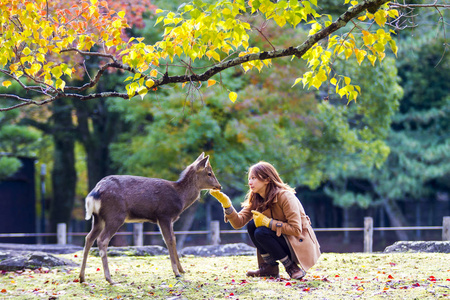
(276, 222)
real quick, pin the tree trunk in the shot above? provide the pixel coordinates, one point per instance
(97, 138)
(396, 218)
(64, 175)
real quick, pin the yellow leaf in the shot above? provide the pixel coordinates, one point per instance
(297, 81)
(34, 69)
(211, 82)
(347, 80)
(117, 23)
(232, 96)
(6, 83)
(149, 83)
(26, 51)
(60, 84)
(158, 11)
(142, 92)
(348, 52)
(372, 59)
(380, 18)
(280, 20)
(153, 73)
(121, 14)
(56, 71)
(333, 81)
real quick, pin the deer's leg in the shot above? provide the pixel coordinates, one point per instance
(111, 227)
(97, 227)
(166, 227)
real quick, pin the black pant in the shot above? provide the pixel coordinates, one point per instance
(267, 241)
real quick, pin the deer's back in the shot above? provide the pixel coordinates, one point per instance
(143, 198)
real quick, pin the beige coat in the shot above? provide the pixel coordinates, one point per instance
(290, 221)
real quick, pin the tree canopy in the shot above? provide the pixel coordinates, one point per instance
(45, 45)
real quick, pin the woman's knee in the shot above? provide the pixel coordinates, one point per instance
(262, 234)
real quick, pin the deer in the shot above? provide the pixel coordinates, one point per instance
(119, 199)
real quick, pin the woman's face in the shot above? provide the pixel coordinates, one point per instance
(257, 185)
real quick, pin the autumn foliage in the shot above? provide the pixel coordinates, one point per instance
(44, 43)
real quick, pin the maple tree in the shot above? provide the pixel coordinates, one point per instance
(38, 36)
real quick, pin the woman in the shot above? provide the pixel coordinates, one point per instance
(280, 229)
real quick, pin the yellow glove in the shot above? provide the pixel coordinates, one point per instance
(260, 219)
(221, 197)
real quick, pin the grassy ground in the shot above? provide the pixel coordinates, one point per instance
(335, 276)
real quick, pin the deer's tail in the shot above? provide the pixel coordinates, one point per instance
(92, 204)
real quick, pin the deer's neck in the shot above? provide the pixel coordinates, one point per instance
(187, 188)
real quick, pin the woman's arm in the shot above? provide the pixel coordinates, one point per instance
(292, 210)
(237, 220)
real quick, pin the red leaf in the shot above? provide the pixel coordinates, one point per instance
(76, 280)
(231, 294)
(288, 284)
(336, 276)
(416, 284)
(306, 289)
(98, 269)
(391, 277)
(3, 291)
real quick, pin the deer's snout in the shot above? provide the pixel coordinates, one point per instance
(218, 187)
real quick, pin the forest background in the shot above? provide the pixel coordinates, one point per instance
(386, 155)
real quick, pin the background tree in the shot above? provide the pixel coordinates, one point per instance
(90, 123)
(15, 140)
(418, 163)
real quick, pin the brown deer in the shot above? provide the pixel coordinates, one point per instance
(120, 199)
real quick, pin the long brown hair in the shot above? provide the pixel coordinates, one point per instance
(265, 171)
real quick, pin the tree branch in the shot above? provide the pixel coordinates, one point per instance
(298, 51)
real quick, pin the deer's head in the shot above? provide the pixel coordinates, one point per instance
(206, 179)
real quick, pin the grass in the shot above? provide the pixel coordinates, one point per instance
(335, 276)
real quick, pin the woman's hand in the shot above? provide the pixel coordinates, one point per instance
(221, 197)
(260, 219)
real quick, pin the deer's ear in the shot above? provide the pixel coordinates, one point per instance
(203, 163)
(200, 157)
